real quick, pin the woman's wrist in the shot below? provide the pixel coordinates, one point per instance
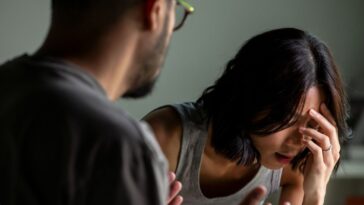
(314, 197)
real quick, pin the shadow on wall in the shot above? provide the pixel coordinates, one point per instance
(356, 100)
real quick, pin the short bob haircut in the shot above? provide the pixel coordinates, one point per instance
(264, 86)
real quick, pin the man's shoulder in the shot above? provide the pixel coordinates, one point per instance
(98, 115)
(52, 93)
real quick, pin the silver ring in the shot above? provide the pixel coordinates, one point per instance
(328, 149)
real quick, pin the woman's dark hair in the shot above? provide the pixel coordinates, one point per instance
(264, 86)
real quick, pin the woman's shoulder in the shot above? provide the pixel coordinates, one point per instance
(167, 127)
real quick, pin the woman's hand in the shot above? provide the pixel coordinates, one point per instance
(256, 196)
(325, 152)
(174, 188)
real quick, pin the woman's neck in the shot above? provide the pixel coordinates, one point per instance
(222, 165)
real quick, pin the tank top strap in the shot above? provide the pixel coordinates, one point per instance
(192, 144)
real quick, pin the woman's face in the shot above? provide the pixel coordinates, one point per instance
(278, 149)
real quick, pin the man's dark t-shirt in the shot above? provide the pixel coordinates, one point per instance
(63, 142)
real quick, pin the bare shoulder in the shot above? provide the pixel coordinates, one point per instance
(292, 186)
(167, 127)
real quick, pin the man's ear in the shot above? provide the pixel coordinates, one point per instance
(154, 15)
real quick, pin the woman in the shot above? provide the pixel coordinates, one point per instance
(276, 117)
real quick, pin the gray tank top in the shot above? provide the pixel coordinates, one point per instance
(194, 136)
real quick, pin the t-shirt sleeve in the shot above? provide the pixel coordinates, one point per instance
(126, 173)
(159, 163)
(125, 170)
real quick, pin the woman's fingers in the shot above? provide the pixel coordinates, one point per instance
(324, 123)
(315, 150)
(326, 113)
(174, 188)
(255, 196)
(330, 156)
(171, 177)
(320, 138)
(323, 145)
(321, 155)
(176, 201)
(328, 126)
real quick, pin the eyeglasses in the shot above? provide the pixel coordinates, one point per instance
(183, 9)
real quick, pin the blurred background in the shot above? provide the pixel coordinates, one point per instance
(211, 36)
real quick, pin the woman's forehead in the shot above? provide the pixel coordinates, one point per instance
(314, 97)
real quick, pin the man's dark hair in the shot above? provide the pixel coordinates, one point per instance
(80, 11)
(102, 13)
(87, 4)
(264, 86)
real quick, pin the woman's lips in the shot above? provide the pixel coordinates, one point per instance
(283, 158)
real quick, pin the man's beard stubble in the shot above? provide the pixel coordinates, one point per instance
(152, 61)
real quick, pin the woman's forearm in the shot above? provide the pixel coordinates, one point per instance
(314, 197)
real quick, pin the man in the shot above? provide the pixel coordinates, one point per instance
(62, 141)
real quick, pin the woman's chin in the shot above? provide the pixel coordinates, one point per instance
(271, 165)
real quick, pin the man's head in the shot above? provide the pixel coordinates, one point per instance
(142, 40)
(150, 61)
(153, 49)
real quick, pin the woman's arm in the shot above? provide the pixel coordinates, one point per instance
(167, 127)
(292, 186)
(324, 153)
(324, 149)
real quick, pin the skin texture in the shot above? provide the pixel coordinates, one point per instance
(314, 123)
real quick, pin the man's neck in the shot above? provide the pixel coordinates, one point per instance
(108, 59)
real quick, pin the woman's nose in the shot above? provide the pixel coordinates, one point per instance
(295, 140)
